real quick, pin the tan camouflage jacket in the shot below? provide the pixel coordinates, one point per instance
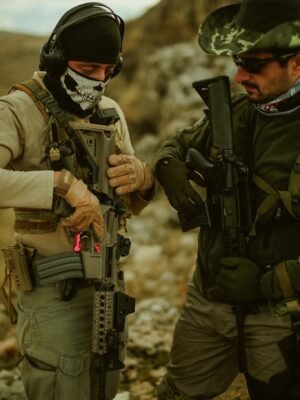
(25, 176)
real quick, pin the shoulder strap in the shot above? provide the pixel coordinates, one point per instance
(29, 88)
(284, 280)
(272, 197)
(46, 102)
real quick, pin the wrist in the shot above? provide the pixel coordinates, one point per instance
(78, 194)
(148, 182)
(62, 182)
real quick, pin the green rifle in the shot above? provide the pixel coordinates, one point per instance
(227, 181)
(100, 260)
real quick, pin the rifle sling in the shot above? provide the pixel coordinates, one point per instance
(45, 101)
(273, 197)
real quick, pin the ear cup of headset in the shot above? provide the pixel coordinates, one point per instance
(53, 61)
(118, 66)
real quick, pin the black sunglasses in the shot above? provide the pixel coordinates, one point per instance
(256, 65)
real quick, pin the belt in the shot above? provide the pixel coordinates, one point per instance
(79, 282)
(35, 221)
(250, 307)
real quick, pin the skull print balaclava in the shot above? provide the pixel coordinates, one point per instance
(84, 91)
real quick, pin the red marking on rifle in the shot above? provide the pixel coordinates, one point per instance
(77, 247)
(97, 248)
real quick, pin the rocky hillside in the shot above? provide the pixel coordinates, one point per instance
(168, 23)
(161, 60)
(19, 56)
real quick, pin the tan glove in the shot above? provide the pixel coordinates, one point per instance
(87, 206)
(129, 174)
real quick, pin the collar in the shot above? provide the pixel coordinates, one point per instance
(286, 103)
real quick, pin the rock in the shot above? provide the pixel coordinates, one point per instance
(142, 390)
(11, 387)
(156, 94)
(122, 396)
(9, 353)
(4, 325)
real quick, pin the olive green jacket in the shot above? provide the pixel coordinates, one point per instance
(269, 145)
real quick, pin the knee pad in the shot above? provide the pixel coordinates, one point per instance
(168, 391)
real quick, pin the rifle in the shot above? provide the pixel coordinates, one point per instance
(100, 260)
(227, 181)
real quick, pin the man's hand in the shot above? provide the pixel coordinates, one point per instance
(87, 206)
(237, 281)
(128, 174)
(173, 176)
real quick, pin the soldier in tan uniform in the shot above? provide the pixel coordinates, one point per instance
(81, 56)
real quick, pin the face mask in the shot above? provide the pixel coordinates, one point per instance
(83, 91)
(286, 103)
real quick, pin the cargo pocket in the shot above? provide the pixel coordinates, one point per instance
(38, 378)
(49, 376)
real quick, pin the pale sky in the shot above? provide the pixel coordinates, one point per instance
(39, 17)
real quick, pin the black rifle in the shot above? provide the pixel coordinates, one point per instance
(226, 179)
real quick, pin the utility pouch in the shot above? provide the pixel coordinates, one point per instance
(35, 221)
(49, 270)
(17, 263)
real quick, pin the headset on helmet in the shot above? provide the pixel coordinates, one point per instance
(52, 58)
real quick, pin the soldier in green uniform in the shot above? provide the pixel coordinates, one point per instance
(41, 163)
(263, 37)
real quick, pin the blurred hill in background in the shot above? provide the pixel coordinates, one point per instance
(161, 60)
(19, 55)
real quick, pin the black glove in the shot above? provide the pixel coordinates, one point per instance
(172, 174)
(237, 281)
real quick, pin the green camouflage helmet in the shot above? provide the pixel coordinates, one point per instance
(253, 25)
